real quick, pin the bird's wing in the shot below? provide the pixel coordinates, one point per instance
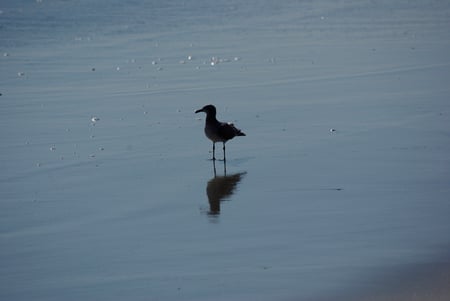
(228, 130)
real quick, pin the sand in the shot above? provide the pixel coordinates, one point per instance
(338, 191)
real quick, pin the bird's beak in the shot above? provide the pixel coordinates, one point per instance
(198, 111)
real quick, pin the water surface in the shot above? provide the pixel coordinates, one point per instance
(338, 191)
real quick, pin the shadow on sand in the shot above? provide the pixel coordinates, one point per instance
(221, 187)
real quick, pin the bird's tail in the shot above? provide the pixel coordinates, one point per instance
(240, 133)
(237, 132)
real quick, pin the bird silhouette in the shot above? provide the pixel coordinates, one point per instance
(218, 131)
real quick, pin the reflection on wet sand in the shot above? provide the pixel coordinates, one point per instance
(221, 188)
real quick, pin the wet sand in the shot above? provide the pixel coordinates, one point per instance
(339, 190)
(423, 283)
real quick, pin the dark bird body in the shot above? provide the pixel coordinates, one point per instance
(218, 131)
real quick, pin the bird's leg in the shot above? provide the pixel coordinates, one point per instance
(225, 168)
(224, 159)
(214, 168)
(214, 151)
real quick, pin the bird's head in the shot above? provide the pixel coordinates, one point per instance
(208, 109)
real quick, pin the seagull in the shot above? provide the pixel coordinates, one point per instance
(218, 131)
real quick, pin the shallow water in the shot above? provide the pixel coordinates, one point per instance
(340, 185)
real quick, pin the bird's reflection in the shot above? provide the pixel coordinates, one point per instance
(221, 188)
